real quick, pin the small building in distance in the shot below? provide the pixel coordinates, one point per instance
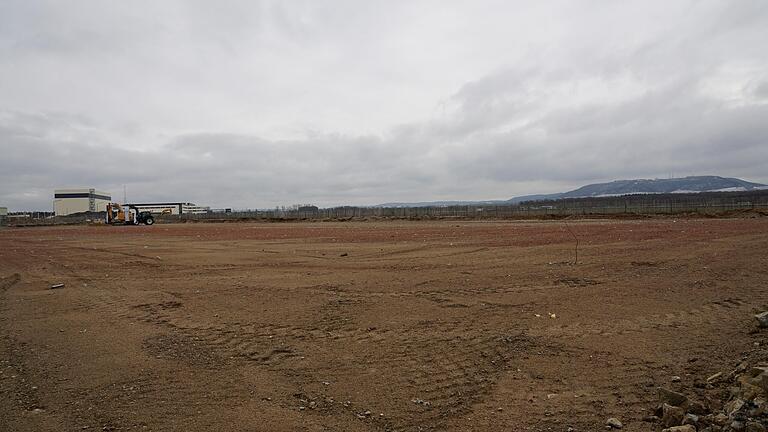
(72, 201)
(176, 208)
(308, 210)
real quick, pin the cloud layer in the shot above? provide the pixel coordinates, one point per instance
(258, 104)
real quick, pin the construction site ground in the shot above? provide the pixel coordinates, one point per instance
(371, 326)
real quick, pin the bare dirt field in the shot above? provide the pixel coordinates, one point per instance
(372, 326)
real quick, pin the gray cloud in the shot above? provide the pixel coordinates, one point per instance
(257, 104)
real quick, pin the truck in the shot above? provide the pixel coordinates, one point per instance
(127, 215)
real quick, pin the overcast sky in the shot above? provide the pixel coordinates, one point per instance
(252, 104)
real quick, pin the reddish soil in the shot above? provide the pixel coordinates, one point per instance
(371, 326)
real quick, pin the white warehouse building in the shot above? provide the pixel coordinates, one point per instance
(71, 201)
(174, 208)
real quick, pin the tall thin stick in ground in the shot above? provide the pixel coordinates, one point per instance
(568, 227)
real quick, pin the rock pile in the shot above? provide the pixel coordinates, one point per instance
(675, 412)
(746, 410)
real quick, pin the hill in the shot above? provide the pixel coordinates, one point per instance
(616, 188)
(655, 186)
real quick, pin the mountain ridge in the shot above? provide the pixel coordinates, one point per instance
(690, 184)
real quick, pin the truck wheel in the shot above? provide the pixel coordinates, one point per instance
(150, 220)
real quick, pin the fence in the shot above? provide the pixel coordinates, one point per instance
(47, 219)
(710, 203)
(702, 204)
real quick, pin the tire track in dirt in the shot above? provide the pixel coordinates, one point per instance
(713, 313)
(6, 283)
(259, 343)
(589, 395)
(16, 377)
(449, 373)
(150, 400)
(439, 376)
(9, 281)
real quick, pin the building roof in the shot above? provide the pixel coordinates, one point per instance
(81, 190)
(164, 204)
(81, 193)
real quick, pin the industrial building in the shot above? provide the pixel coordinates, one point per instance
(3, 216)
(172, 208)
(71, 201)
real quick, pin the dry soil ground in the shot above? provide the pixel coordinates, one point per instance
(370, 326)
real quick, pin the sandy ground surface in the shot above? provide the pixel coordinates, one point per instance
(370, 326)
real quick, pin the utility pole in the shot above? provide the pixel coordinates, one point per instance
(125, 199)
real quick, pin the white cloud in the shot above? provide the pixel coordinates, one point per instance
(252, 104)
